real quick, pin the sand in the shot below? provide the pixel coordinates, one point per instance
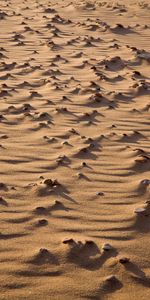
(74, 147)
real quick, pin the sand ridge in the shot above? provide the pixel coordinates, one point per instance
(74, 147)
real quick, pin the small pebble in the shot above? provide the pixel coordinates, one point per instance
(124, 260)
(44, 251)
(80, 175)
(42, 222)
(139, 210)
(100, 194)
(145, 181)
(107, 247)
(68, 241)
(89, 242)
(111, 278)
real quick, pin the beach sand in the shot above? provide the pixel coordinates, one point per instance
(75, 150)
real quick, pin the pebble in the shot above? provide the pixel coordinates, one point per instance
(107, 247)
(40, 209)
(145, 181)
(99, 194)
(43, 251)
(111, 278)
(80, 175)
(42, 222)
(68, 241)
(48, 182)
(124, 260)
(139, 210)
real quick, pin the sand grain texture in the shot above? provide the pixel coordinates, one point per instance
(75, 149)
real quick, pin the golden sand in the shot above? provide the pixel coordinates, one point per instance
(75, 150)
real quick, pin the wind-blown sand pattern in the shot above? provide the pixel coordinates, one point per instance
(75, 149)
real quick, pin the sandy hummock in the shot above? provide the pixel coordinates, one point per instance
(75, 149)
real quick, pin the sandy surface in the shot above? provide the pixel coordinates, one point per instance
(74, 149)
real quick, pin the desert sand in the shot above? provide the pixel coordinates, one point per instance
(75, 149)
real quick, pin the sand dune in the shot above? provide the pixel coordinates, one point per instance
(74, 146)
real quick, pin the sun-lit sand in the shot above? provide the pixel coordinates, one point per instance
(75, 149)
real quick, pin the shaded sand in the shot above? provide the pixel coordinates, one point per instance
(75, 149)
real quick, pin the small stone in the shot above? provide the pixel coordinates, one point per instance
(2, 185)
(90, 243)
(147, 202)
(89, 140)
(124, 260)
(145, 181)
(57, 202)
(48, 182)
(40, 209)
(84, 150)
(65, 143)
(52, 139)
(13, 188)
(100, 194)
(56, 183)
(111, 278)
(4, 136)
(44, 251)
(107, 247)
(80, 175)
(42, 222)
(139, 210)
(68, 241)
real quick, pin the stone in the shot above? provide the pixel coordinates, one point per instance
(145, 181)
(124, 260)
(42, 222)
(107, 247)
(139, 210)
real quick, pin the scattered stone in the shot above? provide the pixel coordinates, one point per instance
(40, 210)
(43, 251)
(68, 241)
(107, 247)
(145, 181)
(48, 182)
(140, 210)
(89, 242)
(111, 278)
(42, 222)
(99, 194)
(124, 260)
(80, 175)
(57, 202)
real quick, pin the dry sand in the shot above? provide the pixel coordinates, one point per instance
(74, 145)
